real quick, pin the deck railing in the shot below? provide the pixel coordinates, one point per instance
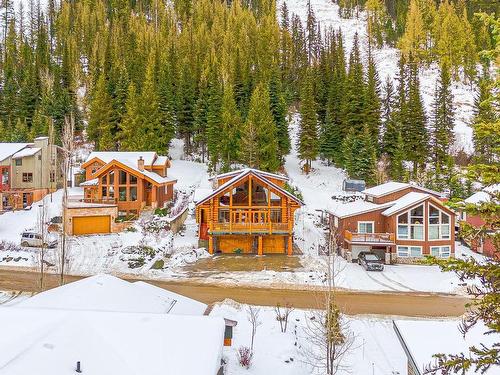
(369, 237)
(101, 201)
(268, 227)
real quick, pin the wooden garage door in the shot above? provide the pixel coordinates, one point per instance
(91, 224)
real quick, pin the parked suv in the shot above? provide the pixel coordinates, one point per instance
(370, 261)
(33, 239)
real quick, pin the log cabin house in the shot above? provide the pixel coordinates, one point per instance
(119, 185)
(400, 222)
(249, 212)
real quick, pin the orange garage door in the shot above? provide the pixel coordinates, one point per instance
(91, 224)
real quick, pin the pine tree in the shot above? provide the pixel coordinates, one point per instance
(308, 133)
(372, 104)
(414, 41)
(131, 135)
(230, 129)
(396, 167)
(101, 116)
(259, 145)
(214, 119)
(443, 123)
(355, 91)
(414, 121)
(278, 108)
(166, 102)
(484, 114)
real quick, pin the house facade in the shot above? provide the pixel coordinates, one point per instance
(249, 211)
(28, 171)
(118, 186)
(481, 241)
(400, 222)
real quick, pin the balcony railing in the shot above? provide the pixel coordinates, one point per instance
(101, 200)
(369, 237)
(268, 227)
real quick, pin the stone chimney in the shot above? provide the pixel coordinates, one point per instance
(140, 163)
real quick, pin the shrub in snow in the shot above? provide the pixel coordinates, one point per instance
(245, 356)
(9, 246)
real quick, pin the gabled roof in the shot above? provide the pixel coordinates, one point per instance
(406, 201)
(478, 197)
(262, 173)
(243, 173)
(9, 149)
(124, 157)
(150, 176)
(393, 187)
(343, 210)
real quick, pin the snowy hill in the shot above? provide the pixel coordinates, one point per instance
(327, 13)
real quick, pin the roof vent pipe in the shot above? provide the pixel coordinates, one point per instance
(78, 367)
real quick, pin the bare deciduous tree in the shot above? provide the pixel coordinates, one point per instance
(327, 332)
(42, 231)
(253, 318)
(67, 151)
(282, 315)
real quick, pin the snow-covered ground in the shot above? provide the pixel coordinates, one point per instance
(376, 350)
(89, 255)
(386, 59)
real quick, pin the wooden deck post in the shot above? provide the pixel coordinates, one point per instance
(290, 245)
(260, 250)
(210, 244)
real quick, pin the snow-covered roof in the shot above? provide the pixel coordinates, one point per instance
(424, 338)
(124, 157)
(201, 193)
(393, 187)
(387, 188)
(47, 342)
(492, 189)
(28, 151)
(262, 173)
(342, 210)
(406, 201)
(479, 197)
(93, 182)
(244, 173)
(9, 149)
(161, 160)
(152, 175)
(109, 293)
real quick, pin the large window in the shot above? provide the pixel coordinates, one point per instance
(411, 224)
(439, 224)
(27, 177)
(440, 251)
(409, 251)
(365, 226)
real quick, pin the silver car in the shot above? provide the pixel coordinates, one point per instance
(33, 239)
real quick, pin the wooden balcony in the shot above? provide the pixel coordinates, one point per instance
(100, 201)
(374, 238)
(250, 228)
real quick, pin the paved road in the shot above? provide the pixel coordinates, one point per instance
(351, 302)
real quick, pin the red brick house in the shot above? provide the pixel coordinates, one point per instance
(398, 221)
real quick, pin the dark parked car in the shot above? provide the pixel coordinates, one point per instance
(370, 261)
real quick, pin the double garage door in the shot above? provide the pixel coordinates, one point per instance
(91, 224)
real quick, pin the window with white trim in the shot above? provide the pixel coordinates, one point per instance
(439, 224)
(409, 251)
(440, 251)
(411, 224)
(365, 226)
